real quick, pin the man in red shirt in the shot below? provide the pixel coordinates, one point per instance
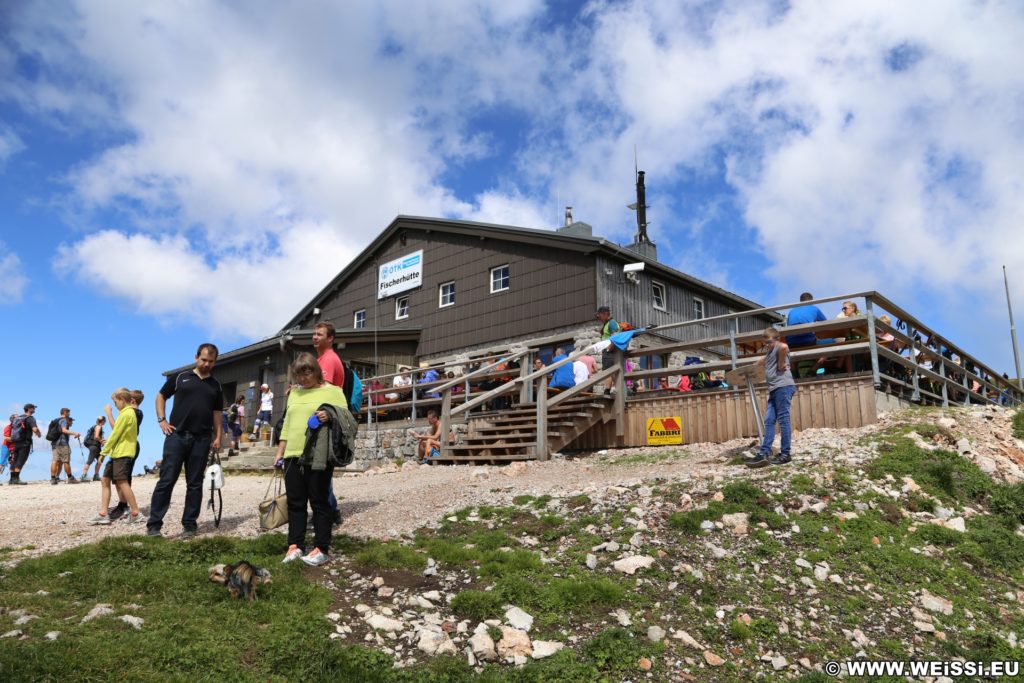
(334, 373)
(330, 363)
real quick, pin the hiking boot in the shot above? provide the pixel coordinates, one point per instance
(189, 533)
(294, 553)
(337, 517)
(100, 520)
(315, 558)
(751, 453)
(18, 482)
(153, 532)
(781, 459)
(117, 512)
(95, 477)
(134, 519)
(54, 481)
(72, 480)
(760, 461)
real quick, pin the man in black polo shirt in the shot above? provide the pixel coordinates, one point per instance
(198, 401)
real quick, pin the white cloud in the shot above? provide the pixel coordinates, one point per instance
(12, 277)
(10, 144)
(868, 144)
(249, 292)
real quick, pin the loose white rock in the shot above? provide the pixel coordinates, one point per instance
(629, 565)
(546, 648)
(519, 619)
(52, 635)
(655, 634)
(380, 622)
(100, 610)
(134, 622)
(934, 603)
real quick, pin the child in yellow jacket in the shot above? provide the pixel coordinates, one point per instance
(120, 450)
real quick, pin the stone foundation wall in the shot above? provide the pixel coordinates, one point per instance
(388, 443)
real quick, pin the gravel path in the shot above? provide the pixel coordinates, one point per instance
(381, 503)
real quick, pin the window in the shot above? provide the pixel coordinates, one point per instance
(359, 319)
(446, 295)
(401, 308)
(499, 279)
(698, 308)
(658, 291)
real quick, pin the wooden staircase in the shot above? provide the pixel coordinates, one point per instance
(502, 436)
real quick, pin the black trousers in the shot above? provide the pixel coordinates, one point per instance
(181, 449)
(302, 485)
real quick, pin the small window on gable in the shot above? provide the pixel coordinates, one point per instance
(446, 295)
(658, 295)
(499, 279)
(359, 319)
(401, 308)
(698, 308)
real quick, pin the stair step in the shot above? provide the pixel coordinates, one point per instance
(482, 458)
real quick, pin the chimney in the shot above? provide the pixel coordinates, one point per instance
(574, 227)
(568, 216)
(642, 244)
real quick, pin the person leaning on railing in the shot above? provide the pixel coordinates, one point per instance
(781, 388)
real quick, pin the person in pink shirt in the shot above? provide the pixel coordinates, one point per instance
(330, 363)
(591, 364)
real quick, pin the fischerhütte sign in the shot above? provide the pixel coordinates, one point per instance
(400, 275)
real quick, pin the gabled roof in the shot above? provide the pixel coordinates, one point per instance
(533, 236)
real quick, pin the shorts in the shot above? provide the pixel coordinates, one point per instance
(264, 416)
(607, 360)
(236, 430)
(118, 469)
(94, 455)
(20, 455)
(61, 452)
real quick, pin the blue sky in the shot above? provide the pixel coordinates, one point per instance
(177, 172)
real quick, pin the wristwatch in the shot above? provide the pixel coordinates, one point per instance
(161, 419)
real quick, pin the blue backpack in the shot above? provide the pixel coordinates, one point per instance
(357, 393)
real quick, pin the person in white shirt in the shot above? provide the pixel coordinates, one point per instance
(402, 380)
(266, 410)
(580, 372)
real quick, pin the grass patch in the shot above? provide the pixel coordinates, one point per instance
(1018, 424)
(478, 605)
(390, 555)
(943, 474)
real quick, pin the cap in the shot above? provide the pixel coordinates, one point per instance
(604, 309)
(30, 406)
(264, 386)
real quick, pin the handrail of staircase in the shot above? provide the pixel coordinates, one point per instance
(479, 371)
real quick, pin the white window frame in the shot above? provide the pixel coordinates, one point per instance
(355, 320)
(398, 308)
(505, 288)
(703, 308)
(440, 294)
(655, 286)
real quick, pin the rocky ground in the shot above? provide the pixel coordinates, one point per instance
(897, 541)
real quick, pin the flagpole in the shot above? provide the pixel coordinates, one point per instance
(1013, 332)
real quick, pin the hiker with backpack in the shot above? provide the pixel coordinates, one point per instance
(59, 434)
(609, 326)
(94, 442)
(264, 416)
(22, 428)
(8, 447)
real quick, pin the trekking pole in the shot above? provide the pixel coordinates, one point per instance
(85, 460)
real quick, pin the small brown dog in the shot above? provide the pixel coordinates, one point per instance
(240, 578)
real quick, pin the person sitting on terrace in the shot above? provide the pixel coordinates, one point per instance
(802, 315)
(562, 377)
(580, 372)
(428, 375)
(402, 380)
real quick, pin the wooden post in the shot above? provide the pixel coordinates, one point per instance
(413, 409)
(524, 370)
(541, 450)
(873, 343)
(733, 325)
(446, 419)
(945, 384)
(620, 395)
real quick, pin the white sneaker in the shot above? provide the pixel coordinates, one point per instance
(294, 553)
(315, 558)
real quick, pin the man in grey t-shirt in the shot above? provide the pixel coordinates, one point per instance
(781, 388)
(61, 448)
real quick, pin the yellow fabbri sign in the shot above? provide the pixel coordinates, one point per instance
(664, 431)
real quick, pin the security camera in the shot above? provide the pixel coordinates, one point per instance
(632, 277)
(633, 267)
